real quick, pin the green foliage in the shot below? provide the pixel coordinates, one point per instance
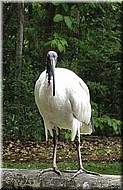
(58, 18)
(58, 42)
(106, 126)
(24, 125)
(65, 7)
(87, 39)
(68, 22)
(103, 124)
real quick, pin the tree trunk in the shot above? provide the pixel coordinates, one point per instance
(29, 179)
(19, 48)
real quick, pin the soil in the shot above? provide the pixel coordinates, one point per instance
(92, 149)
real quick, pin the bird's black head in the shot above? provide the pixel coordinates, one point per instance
(51, 63)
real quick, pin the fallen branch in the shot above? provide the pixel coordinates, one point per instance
(29, 179)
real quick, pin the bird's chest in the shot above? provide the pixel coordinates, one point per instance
(55, 108)
(48, 103)
(52, 105)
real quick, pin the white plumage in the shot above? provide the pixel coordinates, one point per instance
(69, 108)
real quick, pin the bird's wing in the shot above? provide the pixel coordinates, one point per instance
(80, 101)
(39, 84)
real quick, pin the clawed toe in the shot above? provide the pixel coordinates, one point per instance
(57, 172)
(50, 170)
(90, 172)
(82, 170)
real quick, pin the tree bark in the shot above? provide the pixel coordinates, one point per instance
(19, 48)
(19, 45)
(29, 179)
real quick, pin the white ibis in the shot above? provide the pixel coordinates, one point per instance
(63, 101)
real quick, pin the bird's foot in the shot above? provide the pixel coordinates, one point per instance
(50, 170)
(82, 170)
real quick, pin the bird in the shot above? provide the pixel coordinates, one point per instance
(63, 100)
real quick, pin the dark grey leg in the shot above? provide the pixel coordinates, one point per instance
(54, 168)
(55, 141)
(81, 168)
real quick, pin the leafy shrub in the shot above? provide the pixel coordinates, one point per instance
(105, 125)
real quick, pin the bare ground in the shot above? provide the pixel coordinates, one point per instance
(92, 149)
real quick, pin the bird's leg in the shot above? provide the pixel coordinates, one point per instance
(54, 168)
(55, 141)
(81, 168)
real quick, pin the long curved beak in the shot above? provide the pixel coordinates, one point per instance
(53, 73)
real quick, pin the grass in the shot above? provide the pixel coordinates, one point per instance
(111, 168)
